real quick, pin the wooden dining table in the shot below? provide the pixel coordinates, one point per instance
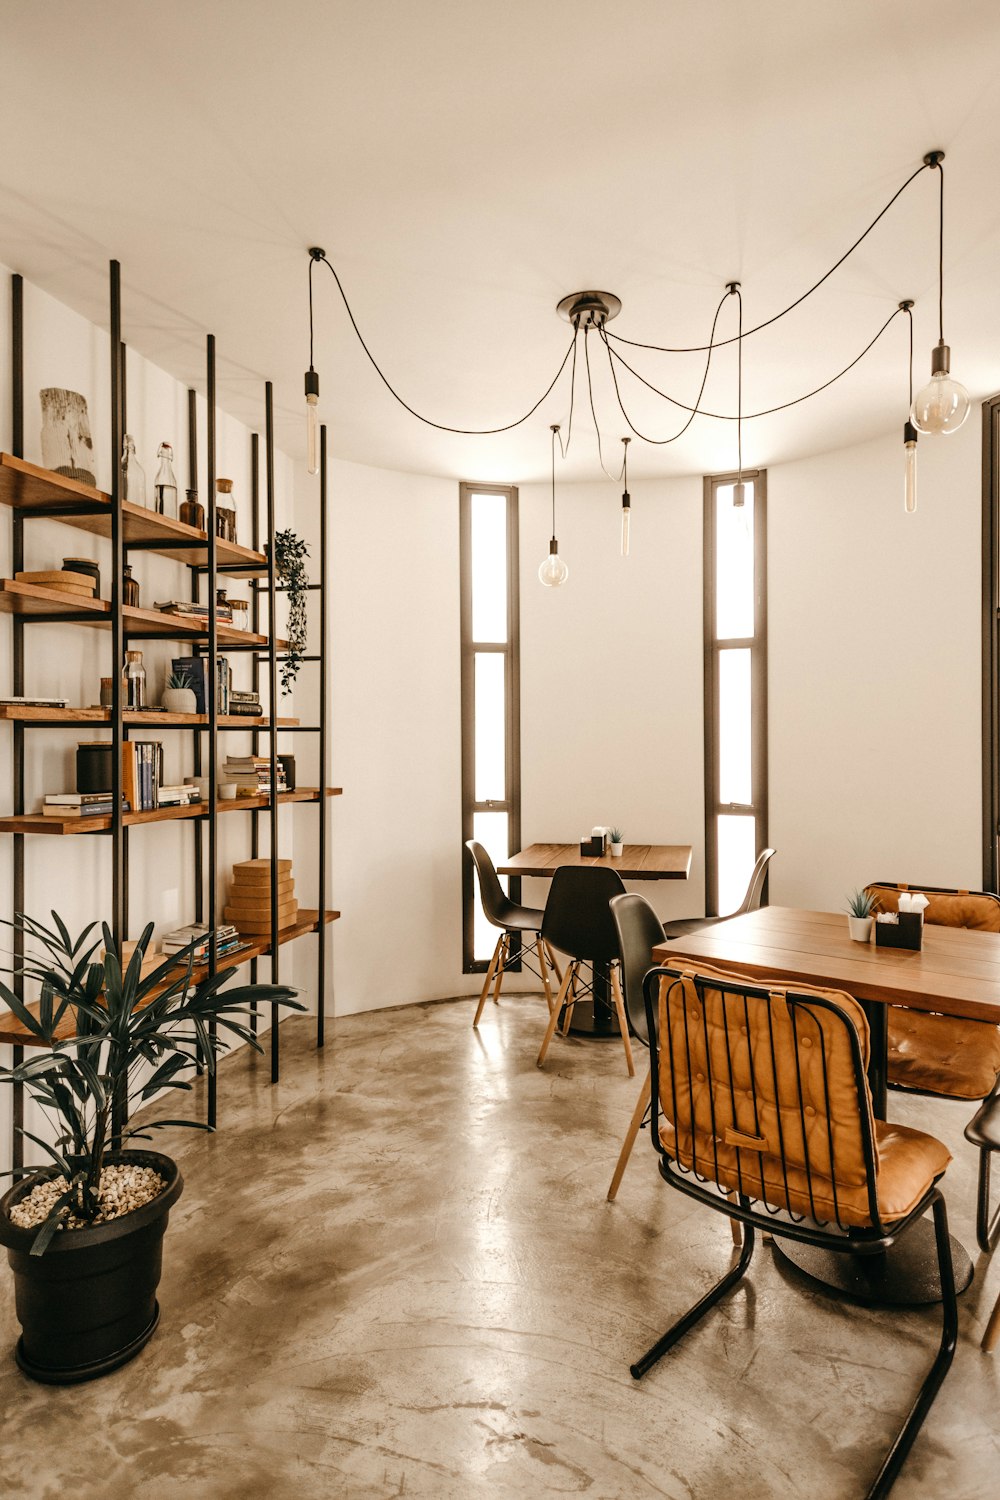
(956, 972)
(636, 862)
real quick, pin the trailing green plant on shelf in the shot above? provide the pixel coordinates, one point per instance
(121, 1022)
(861, 904)
(290, 552)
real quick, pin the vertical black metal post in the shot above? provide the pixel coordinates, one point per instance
(321, 933)
(17, 446)
(199, 843)
(118, 853)
(212, 705)
(272, 707)
(255, 663)
(123, 390)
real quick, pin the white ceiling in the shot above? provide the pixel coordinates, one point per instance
(466, 164)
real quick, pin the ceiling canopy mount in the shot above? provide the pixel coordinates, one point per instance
(589, 309)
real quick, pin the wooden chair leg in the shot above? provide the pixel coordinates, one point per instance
(616, 991)
(571, 975)
(543, 969)
(489, 978)
(501, 966)
(634, 1126)
(992, 1334)
(550, 1030)
(554, 961)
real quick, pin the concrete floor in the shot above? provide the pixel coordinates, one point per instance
(396, 1274)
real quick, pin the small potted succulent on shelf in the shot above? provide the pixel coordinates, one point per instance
(615, 842)
(84, 1234)
(178, 695)
(860, 915)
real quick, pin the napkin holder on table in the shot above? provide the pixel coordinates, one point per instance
(593, 848)
(905, 928)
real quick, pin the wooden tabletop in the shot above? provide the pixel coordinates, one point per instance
(957, 972)
(636, 861)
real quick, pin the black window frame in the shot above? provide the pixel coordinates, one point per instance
(758, 806)
(511, 650)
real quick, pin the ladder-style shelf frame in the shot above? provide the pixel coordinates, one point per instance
(33, 492)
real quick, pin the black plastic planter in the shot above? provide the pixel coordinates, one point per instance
(88, 1305)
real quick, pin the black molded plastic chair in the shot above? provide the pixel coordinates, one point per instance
(578, 922)
(684, 926)
(514, 921)
(639, 929)
(767, 1117)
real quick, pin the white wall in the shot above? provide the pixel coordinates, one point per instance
(611, 675)
(874, 670)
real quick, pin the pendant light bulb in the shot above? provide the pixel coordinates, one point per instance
(909, 468)
(552, 571)
(626, 501)
(943, 404)
(312, 420)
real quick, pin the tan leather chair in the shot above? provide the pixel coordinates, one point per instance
(946, 1056)
(765, 1115)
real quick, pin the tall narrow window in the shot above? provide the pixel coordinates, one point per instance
(991, 644)
(735, 565)
(491, 737)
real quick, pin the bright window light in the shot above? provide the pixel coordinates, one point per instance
(489, 567)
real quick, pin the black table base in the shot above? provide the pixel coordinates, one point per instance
(906, 1276)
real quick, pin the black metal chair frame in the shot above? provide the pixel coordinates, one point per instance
(787, 1223)
(986, 1141)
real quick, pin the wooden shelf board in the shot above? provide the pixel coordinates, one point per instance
(12, 1033)
(42, 824)
(34, 599)
(28, 715)
(32, 488)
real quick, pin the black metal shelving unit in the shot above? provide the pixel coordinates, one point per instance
(34, 492)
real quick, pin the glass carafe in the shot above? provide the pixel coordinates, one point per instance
(133, 681)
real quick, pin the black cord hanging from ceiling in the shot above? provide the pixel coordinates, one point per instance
(694, 410)
(700, 348)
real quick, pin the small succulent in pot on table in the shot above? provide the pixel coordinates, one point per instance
(615, 842)
(84, 1233)
(178, 695)
(860, 915)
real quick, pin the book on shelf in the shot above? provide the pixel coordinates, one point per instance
(85, 809)
(13, 700)
(189, 610)
(195, 669)
(227, 938)
(142, 767)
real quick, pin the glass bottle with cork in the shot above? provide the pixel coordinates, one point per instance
(165, 487)
(225, 512)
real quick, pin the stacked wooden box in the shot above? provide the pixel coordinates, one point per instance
(249, 907)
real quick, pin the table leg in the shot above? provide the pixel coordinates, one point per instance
(878, 1055)
(596, 1017)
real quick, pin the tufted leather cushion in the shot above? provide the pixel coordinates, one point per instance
(943, 1055)
(754, 1096)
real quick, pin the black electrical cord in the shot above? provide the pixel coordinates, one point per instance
(661, 442)
(734, 288)
(909, 313)
(564, 447)
(940, 169)
(700, 348)
(593, 411)
(443, 426)
(748, 416)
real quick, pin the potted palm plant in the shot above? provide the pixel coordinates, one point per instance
(84, 1233)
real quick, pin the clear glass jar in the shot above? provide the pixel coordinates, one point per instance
(165, 487)
(133, 474)
(133, 681)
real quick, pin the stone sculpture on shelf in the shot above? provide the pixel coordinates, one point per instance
(67, 447)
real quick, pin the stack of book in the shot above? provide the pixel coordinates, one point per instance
(80, 805)
(195, 669)
(249, 906)
(227, 941)
(192, 611)
(142, 767)
(252, 774)
(177, 796)
(244, 703)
